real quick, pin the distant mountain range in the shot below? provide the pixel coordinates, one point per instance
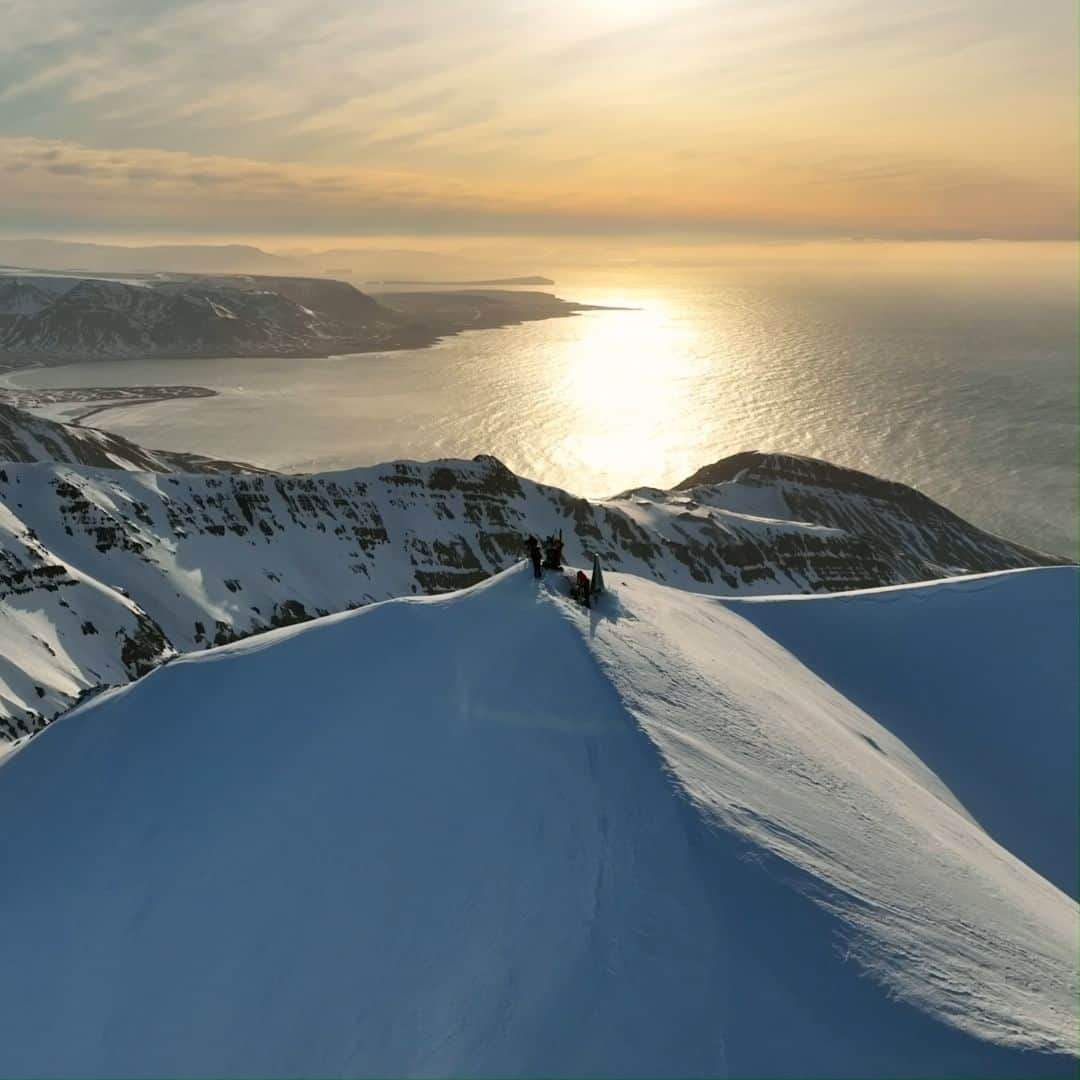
(114, 558)
(357, 263)
(64, 318)
(470, 284)
(69, 255)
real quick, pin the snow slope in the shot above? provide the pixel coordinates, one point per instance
(976, 697)
(62, 632)
(802, 771)
(492, 833)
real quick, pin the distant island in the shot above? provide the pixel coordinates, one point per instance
(459, 284)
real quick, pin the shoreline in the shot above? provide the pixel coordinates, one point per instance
(197, 392)
(129, 396)
(421, 334)
(106, 397)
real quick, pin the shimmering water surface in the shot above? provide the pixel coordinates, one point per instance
(950, 368)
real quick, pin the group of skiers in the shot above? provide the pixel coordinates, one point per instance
(582, 588)
(550, 559)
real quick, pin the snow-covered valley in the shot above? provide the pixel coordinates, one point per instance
(493, 833)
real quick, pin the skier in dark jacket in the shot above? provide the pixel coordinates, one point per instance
(534, 553)
(553, 548)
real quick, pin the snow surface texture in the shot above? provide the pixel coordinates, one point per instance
(493, 833)
(978, 701)
(204, 558)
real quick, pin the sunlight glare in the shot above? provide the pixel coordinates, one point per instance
(630, 378)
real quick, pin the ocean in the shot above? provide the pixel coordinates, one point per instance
(949, 367)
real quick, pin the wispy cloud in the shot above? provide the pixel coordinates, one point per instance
(821, 113)
(209, 192)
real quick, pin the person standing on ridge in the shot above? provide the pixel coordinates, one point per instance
(553, 550)
(533, 546)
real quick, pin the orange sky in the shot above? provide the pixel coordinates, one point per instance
(935, 118)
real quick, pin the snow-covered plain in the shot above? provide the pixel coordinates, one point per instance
(492, 833)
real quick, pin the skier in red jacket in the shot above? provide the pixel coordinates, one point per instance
(583, 588)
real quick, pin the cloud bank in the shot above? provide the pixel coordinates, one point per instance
(949, 118)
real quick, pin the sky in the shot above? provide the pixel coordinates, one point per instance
(947, 119)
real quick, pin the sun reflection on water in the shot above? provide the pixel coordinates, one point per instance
(960, 389)
(629, 381)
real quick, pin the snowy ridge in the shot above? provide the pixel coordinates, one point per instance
(782, 758)
(51, 620)
(493, 834)
(893, 515)
(212, 557)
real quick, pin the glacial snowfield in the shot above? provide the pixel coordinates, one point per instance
(492, 833)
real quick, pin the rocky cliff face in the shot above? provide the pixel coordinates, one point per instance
(106, 571)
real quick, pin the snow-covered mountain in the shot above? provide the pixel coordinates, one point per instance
(92, 318)
(20, 296)
(107, 571)
(494, 834)
(63, 318)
